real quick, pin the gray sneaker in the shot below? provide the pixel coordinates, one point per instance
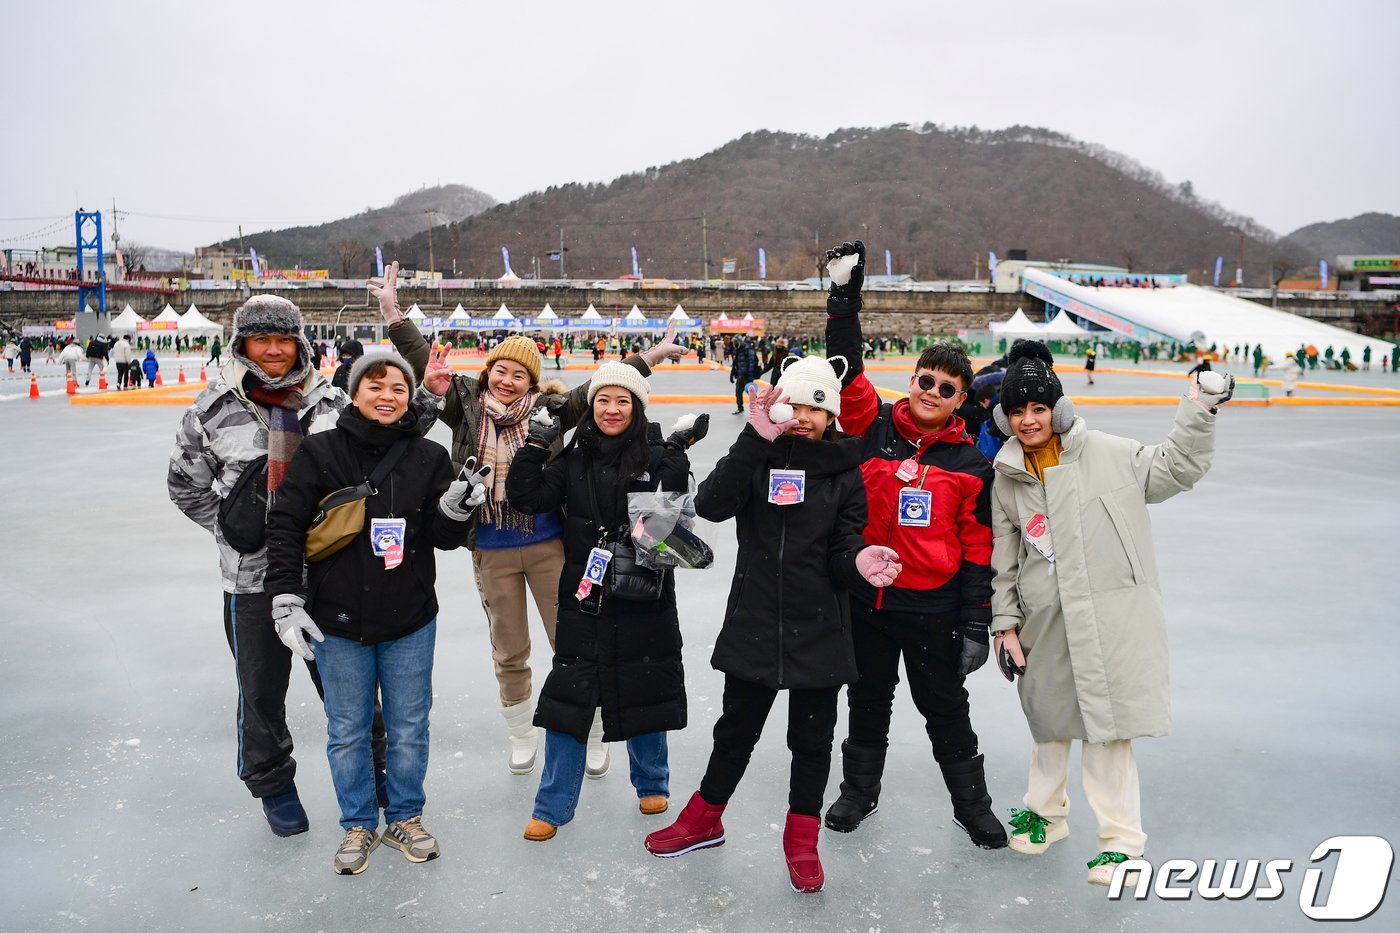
(353, 855)
(417, 843)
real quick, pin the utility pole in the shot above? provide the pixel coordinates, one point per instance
(704, 248)
(561, 254)
(431, 268)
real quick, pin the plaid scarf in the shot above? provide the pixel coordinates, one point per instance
(284, 433)
(502, 432)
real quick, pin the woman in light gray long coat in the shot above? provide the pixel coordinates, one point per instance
(1076, 597)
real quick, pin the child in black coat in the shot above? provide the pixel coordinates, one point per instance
(794, 485)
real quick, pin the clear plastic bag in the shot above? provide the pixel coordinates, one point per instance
(666, 531)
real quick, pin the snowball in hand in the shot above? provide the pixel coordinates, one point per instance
(840, 268)
(780, 412)
(1211, 382)
(542, 416)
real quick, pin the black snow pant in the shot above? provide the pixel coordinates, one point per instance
(741, 382)
(264, 669)
(930, 645)
(811, 724)
(123, 374)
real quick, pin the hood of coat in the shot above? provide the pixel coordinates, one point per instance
(1011, 459)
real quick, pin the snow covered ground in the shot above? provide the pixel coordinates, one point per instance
(122, 811)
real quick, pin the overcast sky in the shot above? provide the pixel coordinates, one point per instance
(197, 117)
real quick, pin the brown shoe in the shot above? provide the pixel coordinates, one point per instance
(653, 805)
(539, 830)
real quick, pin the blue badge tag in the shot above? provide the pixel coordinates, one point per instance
(787, 487)
(915, 507)
(598, 560)
(386, 532)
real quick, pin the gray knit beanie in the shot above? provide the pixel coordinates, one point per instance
(357, 371)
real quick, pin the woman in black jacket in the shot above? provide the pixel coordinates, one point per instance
(374, 597)
(794, 485)
(622, 655)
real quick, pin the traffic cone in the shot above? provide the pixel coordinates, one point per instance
(33, 386)
(159, 381)
(72, 385)
(202, 377)
(102, 381)
(182, 372)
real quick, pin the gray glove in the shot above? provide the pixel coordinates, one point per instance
(544, 428)
(846, 266)
(293, 625)
(974, 642)
(466, 493)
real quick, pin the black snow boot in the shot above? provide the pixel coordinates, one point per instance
(972, 805)
(861, 767)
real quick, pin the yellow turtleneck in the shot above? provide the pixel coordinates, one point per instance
(1038, 461)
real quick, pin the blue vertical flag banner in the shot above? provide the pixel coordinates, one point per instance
(257, 269)
(379, 260)
(505, 258)
(1219, 262)
(1322, 272)
(635, 270)
(992, 266)
(888, 268)
(762, 263)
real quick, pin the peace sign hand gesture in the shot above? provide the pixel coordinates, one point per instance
(666, 349)
(437, 377)
(387, 292)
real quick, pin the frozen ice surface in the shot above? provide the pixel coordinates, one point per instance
(1279, 580)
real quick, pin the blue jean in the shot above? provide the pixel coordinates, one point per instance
(403, 670)
(564, 761)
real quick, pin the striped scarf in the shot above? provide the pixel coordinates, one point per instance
(502, 432)
(284, 433)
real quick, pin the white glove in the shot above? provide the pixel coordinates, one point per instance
(465, 493)
(293, 625)
(1210, 390)
(387, 293)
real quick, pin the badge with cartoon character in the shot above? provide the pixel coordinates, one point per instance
(915, 508)
(386, 538)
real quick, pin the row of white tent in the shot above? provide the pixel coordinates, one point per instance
(460, 318)
(192, 321)
(1061, 327)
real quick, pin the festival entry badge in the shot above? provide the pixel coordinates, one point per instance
(386, 538)
(598, 560)
(915, 507)
(787, 487)
(1038, 536)
(908, 469)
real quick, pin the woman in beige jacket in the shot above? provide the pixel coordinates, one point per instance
(1076, 600)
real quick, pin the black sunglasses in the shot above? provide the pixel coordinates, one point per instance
(945, 389)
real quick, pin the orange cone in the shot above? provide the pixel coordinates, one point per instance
(202, 377)
(102, 381)
(159, 381)
(33, 386)
(72, 385)
(182, 372)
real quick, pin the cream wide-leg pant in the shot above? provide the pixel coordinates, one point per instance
(1110, 782)
(501, 578)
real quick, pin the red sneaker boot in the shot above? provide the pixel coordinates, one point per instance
(698, 827)
(800, 850)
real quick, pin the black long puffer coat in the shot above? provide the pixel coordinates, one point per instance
(788, 622)
(626, 659)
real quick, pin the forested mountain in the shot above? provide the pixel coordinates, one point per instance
(1365, 233)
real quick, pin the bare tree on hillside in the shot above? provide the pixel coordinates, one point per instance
(353, 256)
(134, 255)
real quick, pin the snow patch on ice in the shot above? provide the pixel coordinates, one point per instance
(920, 850)
(132, 743)
(1024, 902)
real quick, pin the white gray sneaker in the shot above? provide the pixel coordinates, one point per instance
(353, 855)
(417, 844)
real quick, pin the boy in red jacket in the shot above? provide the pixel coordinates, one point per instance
(929, 497)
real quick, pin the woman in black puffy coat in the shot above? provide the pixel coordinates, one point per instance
(620, 655)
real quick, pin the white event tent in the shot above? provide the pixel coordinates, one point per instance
(128, 322)
(193, 321)
(1018, 325)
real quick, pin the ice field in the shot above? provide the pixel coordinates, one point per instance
(122, 809)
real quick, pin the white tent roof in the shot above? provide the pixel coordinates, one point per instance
(547, 314)
(1062, 326)
(194, 321)
(592, 314)
(635, 314)
(459, 313)
(748, 315)
(168, 315)
(1017, 326)
(415, 313)
(503, 313)
(679, 315)
(128, 320)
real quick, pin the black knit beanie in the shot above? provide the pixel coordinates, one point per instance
(1030, 376)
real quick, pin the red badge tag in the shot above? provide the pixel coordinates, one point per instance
(907, 470)
(393, 556)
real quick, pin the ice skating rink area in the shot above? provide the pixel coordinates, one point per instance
(122, 809)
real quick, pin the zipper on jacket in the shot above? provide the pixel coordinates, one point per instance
(782, 542)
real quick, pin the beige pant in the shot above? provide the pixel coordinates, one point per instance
(501, 578)
(1110, 782)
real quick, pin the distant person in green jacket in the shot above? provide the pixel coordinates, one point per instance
(1366, 358)
(1258, 358)
(1346, 358)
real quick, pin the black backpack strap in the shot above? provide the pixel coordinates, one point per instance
(386, 465)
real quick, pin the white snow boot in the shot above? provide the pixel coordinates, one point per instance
(524, 737)
(599, 758)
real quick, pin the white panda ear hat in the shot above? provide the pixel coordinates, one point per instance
(1030, 377)
(813, 381)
